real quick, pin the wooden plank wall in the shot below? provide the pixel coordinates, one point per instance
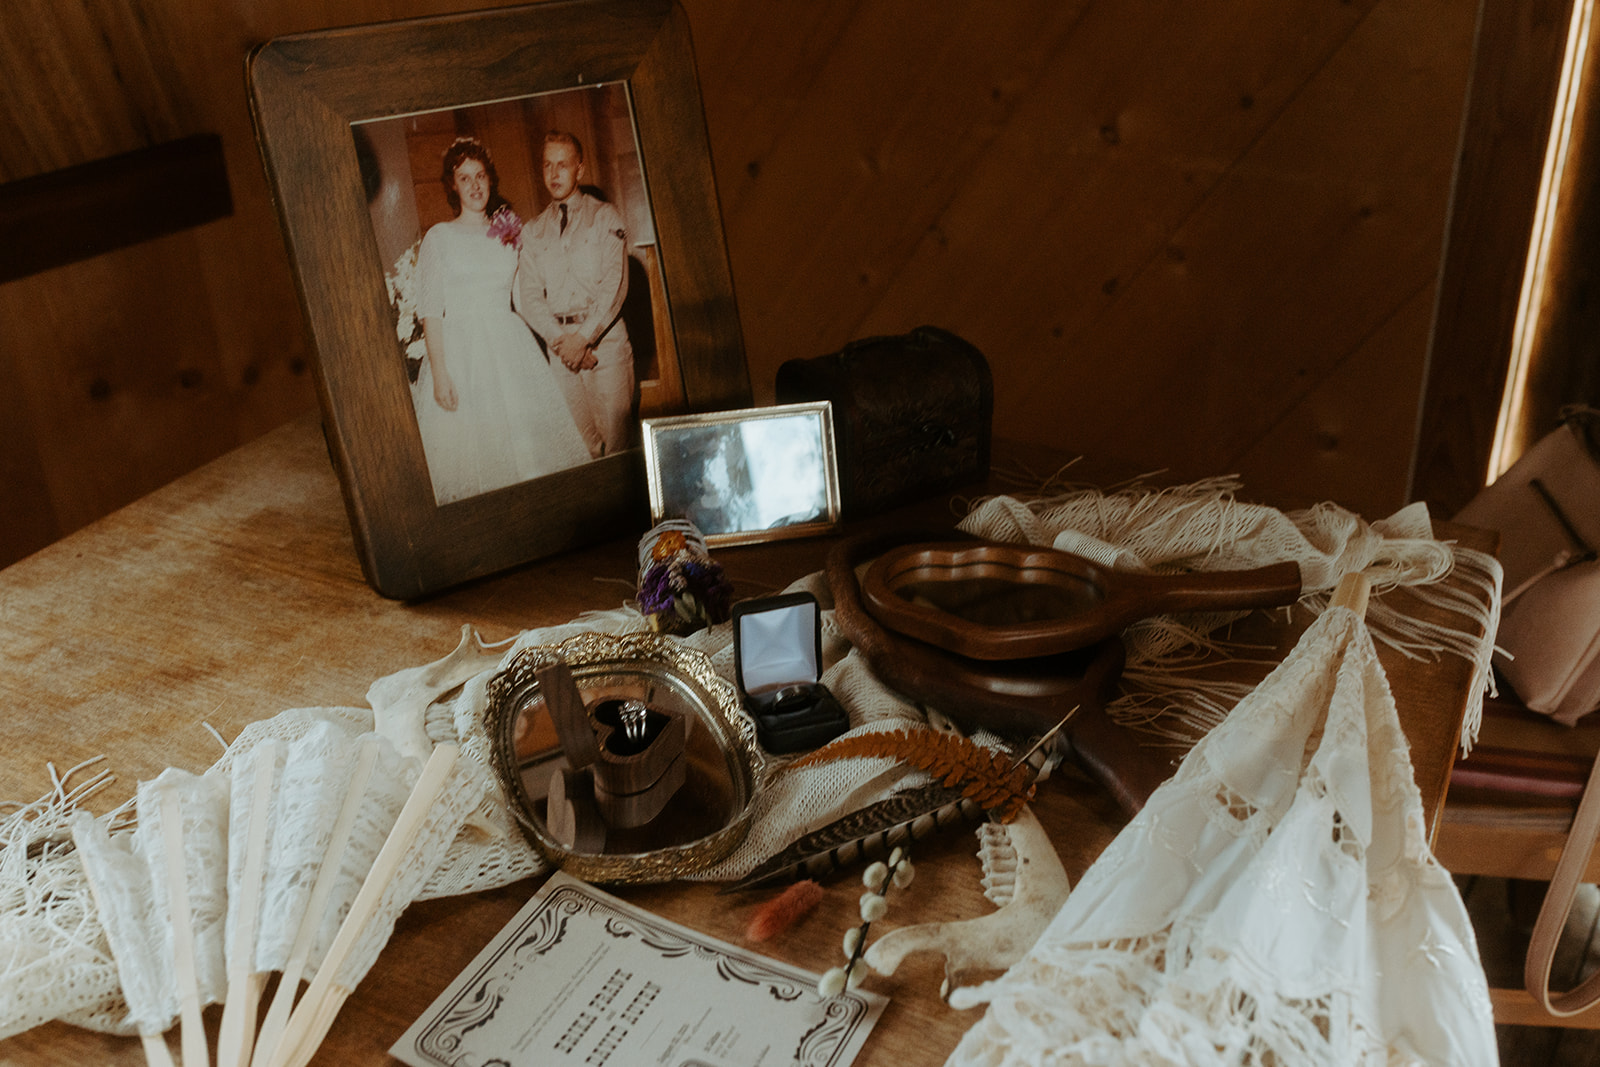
(1506, 128)
(1197, 236)
(1564, 366)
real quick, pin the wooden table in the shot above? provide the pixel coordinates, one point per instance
(234, 593)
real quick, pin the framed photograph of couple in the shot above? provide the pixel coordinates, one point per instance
(506, 239)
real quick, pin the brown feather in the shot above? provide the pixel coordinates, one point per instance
(989, 780)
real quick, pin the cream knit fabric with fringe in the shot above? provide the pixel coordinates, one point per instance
(1202, 527)
(55, 961)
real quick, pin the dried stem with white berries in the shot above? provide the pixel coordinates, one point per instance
(874, 905)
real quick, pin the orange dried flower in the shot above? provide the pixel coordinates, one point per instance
(784, 910)
(668, 544)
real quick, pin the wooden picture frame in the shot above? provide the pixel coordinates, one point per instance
(310, 91)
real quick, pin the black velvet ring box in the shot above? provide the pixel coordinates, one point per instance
(777, 661)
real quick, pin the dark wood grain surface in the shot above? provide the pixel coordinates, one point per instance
(1506, 126)
(72, 214)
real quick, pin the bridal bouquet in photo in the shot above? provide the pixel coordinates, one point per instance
(402, 283)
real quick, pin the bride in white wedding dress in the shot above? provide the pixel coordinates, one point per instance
(489, 412)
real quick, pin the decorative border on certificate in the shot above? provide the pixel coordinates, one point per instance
(581, 977)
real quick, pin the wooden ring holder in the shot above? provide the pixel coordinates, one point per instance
(626, 783)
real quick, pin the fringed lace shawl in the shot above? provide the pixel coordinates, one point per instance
(1275, 903)
(55, 961)
(1201, 526)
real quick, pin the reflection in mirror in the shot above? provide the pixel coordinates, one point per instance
(742, 476)
(999, 599)
(701, 806)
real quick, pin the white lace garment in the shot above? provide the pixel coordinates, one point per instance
(1275, 902)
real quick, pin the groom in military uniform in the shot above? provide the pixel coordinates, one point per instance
(572, 279)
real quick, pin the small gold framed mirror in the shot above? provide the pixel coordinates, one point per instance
(758, 474)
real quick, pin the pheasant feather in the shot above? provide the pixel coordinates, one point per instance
(869, 833)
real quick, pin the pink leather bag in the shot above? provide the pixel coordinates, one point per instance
(1547, 510)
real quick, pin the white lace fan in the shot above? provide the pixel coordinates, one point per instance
(162, 897)
(444, 793)
(255, 780)
(334, 803)
(1274, 902)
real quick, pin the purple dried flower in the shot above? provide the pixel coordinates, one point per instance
(655, 591)
(684, 593)
(706, 579)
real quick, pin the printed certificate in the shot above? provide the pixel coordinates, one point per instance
(580, 977)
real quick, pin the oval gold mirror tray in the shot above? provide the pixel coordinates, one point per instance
(709, 814)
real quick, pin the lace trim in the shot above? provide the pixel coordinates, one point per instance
(1202, 526)
(53, 950)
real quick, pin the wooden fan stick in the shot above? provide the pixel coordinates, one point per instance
(244, 981)
(1352, 593)
(315, 1013)
(300, 951)
(196, 1053)
(156, 1052)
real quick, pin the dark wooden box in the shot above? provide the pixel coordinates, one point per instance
(912, 414)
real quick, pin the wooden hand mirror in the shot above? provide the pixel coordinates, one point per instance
(1018, 698)
(994, 601)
